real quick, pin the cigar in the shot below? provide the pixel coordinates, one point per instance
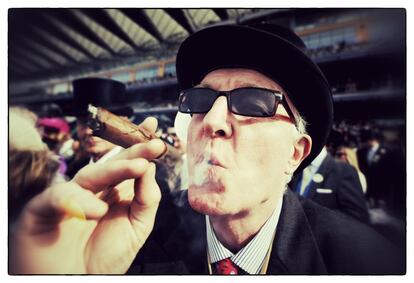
(121, 131)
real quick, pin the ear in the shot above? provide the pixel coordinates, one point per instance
(301, 149)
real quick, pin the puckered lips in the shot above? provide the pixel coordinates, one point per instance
(213, 160)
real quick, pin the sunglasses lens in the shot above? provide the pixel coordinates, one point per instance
(253, 102)
(196, 100)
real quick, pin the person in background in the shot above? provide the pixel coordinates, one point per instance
(111, 95)
(348, 155)
(100, 92)
(376, 162)
(333, 184)
(55, 133)
(32, 166)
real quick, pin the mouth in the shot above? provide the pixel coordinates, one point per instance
(209, 159)
(207, 168)
(215, 162)
(91, 141)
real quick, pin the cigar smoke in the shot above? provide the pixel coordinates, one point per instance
(201, 174)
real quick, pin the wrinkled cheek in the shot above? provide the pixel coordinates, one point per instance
(194, 150)
(267, 166)
(191, 145)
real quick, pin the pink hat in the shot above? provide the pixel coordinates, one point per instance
(56, 123)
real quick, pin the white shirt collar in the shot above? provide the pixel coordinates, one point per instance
(252, 256)
(319, 159)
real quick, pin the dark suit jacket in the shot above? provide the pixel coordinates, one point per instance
(385, 175)
(310, 239)
(346, 193)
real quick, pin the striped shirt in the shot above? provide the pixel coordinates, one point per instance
(250, 258)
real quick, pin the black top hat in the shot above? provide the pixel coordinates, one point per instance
(272, 50)
(99, 92)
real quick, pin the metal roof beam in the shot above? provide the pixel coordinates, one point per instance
(141, 18)
(42, 41)
(102, 18)
(16, 73)
(68, 18)
(15, 63)
(44, 55)
(179, 16)
(221, 13)
(24, 17)
(16, 70)
(29, 59)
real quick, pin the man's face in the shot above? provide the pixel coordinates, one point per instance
(237, 163)
(341, 154)
(93, 145)
(53, 138)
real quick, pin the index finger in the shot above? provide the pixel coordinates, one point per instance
(150, 150)
(100, 176)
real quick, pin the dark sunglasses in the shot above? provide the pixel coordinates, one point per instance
(246, 101)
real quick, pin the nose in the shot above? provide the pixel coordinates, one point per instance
(215, 122)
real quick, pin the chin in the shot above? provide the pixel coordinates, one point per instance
(210, 200)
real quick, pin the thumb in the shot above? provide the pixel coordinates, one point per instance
(145, 203)
(59, 201)
(150, 124)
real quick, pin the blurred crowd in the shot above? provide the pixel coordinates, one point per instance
(379, 156)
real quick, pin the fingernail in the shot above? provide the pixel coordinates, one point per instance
(164, 151)
(73, 209)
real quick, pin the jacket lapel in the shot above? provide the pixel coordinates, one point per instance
(294, 250)
(187, 245)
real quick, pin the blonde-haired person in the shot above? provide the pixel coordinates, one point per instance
(348, 155)
(32, 166)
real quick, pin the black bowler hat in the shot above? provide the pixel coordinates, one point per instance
(100, 92)
(272, 50)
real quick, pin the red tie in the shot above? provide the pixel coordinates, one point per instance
(226, 267)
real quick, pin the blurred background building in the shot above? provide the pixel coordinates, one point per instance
(361, 51)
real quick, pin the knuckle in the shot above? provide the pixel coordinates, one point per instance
(130, 169)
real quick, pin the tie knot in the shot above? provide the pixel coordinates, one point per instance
(227, 267)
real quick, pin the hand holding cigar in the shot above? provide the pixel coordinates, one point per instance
(121, 131)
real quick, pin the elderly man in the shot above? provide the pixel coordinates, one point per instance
(249, 91)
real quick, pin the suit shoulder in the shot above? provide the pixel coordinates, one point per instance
(342, 165)
(339, 234)
(335, 230)
(319, 216)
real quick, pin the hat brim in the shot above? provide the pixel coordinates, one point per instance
(235, 46)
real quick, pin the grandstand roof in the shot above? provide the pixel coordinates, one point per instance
(56, 42)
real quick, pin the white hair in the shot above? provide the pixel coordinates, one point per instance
(299, 130)
(300, 122)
